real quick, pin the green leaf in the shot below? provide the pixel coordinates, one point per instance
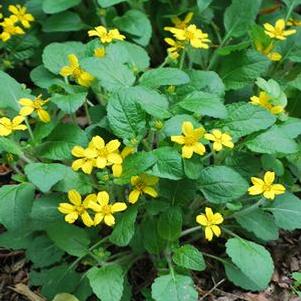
(42, 252)
(260, 223)
(129, 53)
(53, 7)
(291, 127)
(44, 175)
(155, 78)
(204, 103)
(248, 257)
(57, 279)
(55, 55)
(168, 164)
(241, 68)
(112, 74)
(69, 238)
(43, 78)
(203, 4)
(108, 3)
(126, 118)
(272, 141)
(44, 210)
(10, 146)
(189, 257)
(17, 239)
(235, 275)
(207, 81)
(152, 242)
(107, 282)
(174, 288)
(244, 119)
(270, 162)
(286, 210)
(125, 228)
(65, 297)
(170, 224)
(231, 48)
(239, 16)
(221, 184)
(151, 101)
(292, 3)
(60, 142)
(136, 23)
(11, 92)
(15, 205)
(69, 103)
(136, 164)
(72, 179)
(63, 22)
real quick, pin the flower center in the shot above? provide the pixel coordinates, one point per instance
(267, 187)
(106, 209)
(190, 140)
(80, 209)
(102, 152)
(140, 186)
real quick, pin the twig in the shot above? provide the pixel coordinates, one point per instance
(213, 289)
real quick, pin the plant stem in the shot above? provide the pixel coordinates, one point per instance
(182, 59)
(213, 257)
(29, 129)
(87, 112)
(190, 230)
(247, 210)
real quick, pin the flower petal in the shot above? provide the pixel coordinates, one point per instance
(66, 208)
(208, 233)
(216, 230)
(115, 158)
(187, 128)
(98, 218)
(87, 220)
(269, 177)
(103, 198)
(109, 220)
(202, 220)
(74, 197)
(150, 191)
(113, 146)
(187, 151)
(117, 207)
(134, 196)
(178, 139)
(71, 217)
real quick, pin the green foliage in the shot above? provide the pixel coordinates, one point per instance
(137, 137)
(248, 256)
(173, 288)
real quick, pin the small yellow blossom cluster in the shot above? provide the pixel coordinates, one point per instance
(96, 204)
(74, 70)
(263, 100)
(191, 140)
(36, 105)
(100, 155)
(278, 32)
(28, 106)
(185, 33)
(105, 36)
(8, 126)
(266, 186)
(99, 204)
(10, 25)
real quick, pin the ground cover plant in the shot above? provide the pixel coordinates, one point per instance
(148, 138)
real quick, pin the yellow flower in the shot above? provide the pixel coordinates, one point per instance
(87, 159)
(182, 24)
(263, 101)
(266, 186)
(190, 140)
(293, 22)
(176, 46)
(82, 77)
(278, 31)
(268, 51)
(220, 139)
(104, 35)
(210, 221)
(77, 208)
(142, 184)
(8, 126)
(29, 106)
(104, 210)
(106, 154)
(117, 168)
(100, 52)
(195, 36)
(21, 13)
(10, 29)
